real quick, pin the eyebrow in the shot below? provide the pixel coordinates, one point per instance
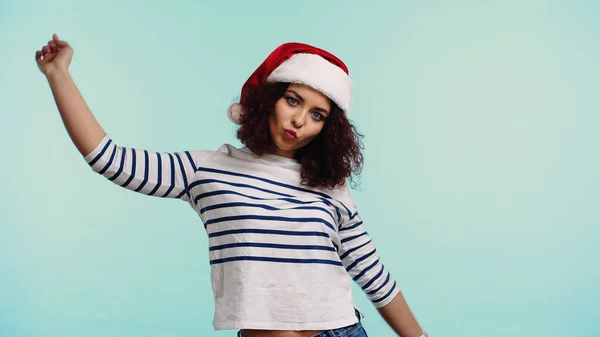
(301, 99)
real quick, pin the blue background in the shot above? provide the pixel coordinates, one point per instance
(481, 186)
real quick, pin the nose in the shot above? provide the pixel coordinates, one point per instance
(296, 124)
(298, 119)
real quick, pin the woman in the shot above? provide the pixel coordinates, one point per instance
(284, 234)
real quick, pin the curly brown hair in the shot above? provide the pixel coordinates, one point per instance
(327, 161)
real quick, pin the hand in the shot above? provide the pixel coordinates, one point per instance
(56, 55)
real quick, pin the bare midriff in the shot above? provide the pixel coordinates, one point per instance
(279, 333)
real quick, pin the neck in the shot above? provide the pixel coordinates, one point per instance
(282, 153)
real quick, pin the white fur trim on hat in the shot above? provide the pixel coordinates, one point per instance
(318, 73)
(235, 112)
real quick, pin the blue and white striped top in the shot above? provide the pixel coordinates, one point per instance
(282, 255)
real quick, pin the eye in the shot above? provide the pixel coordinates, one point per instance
(317, 116)
(292, 101)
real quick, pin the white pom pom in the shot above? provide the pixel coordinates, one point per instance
(235, 113)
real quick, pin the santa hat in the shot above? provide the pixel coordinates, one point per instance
(304, 64)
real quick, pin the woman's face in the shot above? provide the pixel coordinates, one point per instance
(298, 118)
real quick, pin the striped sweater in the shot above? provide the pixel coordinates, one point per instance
(282, 256)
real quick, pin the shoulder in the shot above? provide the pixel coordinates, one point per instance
(227, 149)
(227, 155)
(342, 194)
(224, 149)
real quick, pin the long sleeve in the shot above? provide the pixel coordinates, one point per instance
(165, 175)
(361, 260)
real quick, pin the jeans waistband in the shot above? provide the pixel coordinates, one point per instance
(357, 313)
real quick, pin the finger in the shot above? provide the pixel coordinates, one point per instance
(41, 56)
(58, 41)
(45, 49)
(50, 57)
(62, 44)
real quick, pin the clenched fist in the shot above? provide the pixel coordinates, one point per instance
(54, 56)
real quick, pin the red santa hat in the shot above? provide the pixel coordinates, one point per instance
(304, 64)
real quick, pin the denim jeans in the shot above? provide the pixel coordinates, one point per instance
(355, 330)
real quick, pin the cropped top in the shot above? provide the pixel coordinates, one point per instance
(282, 256)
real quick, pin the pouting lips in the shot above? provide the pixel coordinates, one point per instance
(289, 134)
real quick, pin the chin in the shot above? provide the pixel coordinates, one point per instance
(286, 147)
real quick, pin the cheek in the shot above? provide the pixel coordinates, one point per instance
(280, 112)
(315, 129)
(275, 117)
(272, 125)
